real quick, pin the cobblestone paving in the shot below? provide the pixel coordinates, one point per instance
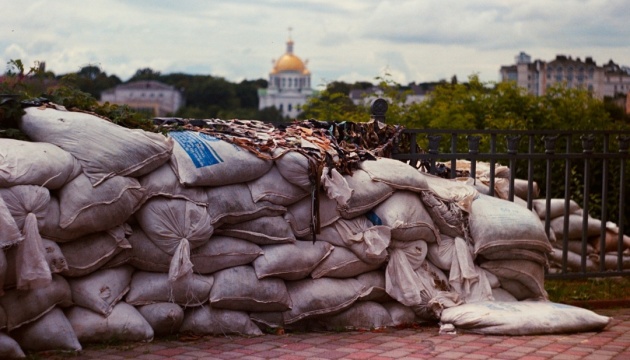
(419, 343)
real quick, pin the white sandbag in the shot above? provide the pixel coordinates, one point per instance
(52, 331)
(497, 225)
(365, 194)
(324, 296)
(455, 191)
(273, 187)
(294, 167)
(291, 261)
(206, 320)
(28, 205)
(238, 288)
(406, 215)
(54, 257)
(231, 204)
(164, 182)
(88, 253)
(374, 282)
(367, 241)
(556, 207)
(449, 218)
(10, 233)
(203, 160)
(300, 215)
(522, 318)
(575, 230)
(124, 323)
(362, 315)
(101, 290)
(150, 288)
(522, 278)
(342, 263)
(165, 318)
(9, 348)
(30, 305)
(141, 253)
(87, 210)
(113, 150)
(395, 173)
(222, 252)
(35, 163)
(175, 226)
(500, 294)
(266, 230)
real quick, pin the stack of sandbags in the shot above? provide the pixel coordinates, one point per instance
(569, 227)
(112, 233)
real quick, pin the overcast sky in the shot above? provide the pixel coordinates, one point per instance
(343, 40)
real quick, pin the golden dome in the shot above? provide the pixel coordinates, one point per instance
(289, 62)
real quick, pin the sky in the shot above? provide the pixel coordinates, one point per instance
(350, 40)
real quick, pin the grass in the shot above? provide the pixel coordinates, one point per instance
(595, 289)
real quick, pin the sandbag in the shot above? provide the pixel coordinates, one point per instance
(142, 253)
(10, 233)
(29, 305)
(500, 294)
(52, 331)
(366, 194)
(203, 160)
(238, 288)
(367, 241)
(362, 315)
(84, 209)
(522, 278)
(575, 230)
(175, 226)
(395, 173)
(324, 296)
(165, 318)
(262, 231)
(522, 318)
(448, 217)
(3, 274)
(300, 215)
(88, 253)
(497, 225)
(28, 205)
(35, 163)
(556, 207)
(401, 315)
(294, 168)
(342, 263)
(232, 204)
(374, 282)
(114, 150)
(54, 257)
(9, 348)
(274, 188)
(206, 320)
(405, 214)
(164, 182)
(150, 288)
(124, 322)
(291, 261)
(574, 260)
(222, 252)
(459, 193)
(101, 290)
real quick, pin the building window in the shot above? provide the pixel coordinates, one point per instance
(289, 107)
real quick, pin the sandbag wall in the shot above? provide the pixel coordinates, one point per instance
(111, 233)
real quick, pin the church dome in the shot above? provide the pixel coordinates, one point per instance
(289, 62)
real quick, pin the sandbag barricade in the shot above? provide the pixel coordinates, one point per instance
(220, 230)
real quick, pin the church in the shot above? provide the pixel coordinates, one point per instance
(289, 85)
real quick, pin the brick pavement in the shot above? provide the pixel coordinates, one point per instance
(418, 343)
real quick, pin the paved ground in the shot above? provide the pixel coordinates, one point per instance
(420, 343)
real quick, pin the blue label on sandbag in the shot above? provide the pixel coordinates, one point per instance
(197, 148)
(371, 215)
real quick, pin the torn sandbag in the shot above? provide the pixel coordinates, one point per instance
(367, 241)
(101, 290)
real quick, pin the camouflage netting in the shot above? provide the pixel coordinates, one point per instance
(235, 227)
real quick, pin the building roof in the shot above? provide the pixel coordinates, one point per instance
(289, 62)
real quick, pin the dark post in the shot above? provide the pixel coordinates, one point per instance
(378, 109)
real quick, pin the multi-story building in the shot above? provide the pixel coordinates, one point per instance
(609, 80)
(289, 85)
(151, 96)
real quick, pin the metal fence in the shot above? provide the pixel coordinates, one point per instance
(587, 168)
